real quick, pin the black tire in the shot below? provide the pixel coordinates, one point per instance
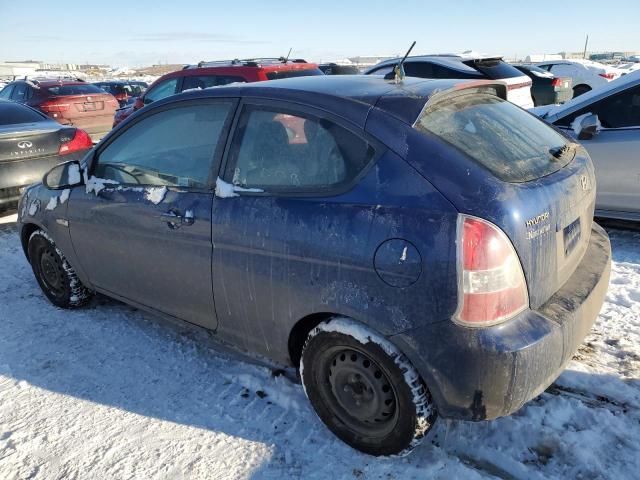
(56, 277)
(580, 90)
(364, 390)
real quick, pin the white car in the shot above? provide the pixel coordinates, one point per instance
(586, 75)
(607, 123)
(467, 65)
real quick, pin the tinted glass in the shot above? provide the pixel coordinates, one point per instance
(19, 92)
(162, 90)
(513, 144)
(205, 81)
(382, 71)
(495, 69)
(11, 113)
(276, 74)
(617, 111)
(80, 89)
(174, 147)
(6, 92)
(418, 69)
(277, 150)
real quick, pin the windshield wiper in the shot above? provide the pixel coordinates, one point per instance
(559, 152)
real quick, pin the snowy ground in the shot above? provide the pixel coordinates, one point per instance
(109, 392)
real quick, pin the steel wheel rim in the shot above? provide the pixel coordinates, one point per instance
(52, 272)
(359, 391)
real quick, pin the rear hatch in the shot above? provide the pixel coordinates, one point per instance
(80, 103)
(518, 84)
(497, 162)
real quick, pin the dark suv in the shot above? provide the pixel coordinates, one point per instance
(218, 73)
(69, 102)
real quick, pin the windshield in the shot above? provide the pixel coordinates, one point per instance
(276, 74)
(514, 145)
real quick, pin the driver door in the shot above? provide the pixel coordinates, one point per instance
(141, 227)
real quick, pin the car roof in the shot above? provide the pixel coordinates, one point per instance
(615, 86)
(404, 101)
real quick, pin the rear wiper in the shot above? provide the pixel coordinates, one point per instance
(559, 152)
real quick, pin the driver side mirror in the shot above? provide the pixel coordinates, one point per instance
(139, 103)
(588, 127)
(65, 175)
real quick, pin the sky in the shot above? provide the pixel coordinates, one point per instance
(143, 32)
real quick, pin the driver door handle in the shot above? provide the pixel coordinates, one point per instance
(177, 219)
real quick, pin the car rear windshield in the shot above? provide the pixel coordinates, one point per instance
(495, 69)
(514, 145)
(80, 89)
(13, 113)
(276, 74)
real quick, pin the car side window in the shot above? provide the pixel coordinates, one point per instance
(19, 92)
(161, 90)
(383, 71)
(6, 92)
(621, 110)
(418, 69)
(206, 81)
(279, 150)
(174, 147)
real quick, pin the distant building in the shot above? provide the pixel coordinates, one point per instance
(369, 61)
(18, 69)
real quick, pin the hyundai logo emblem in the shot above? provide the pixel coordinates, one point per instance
(25, 144)
(584, 181)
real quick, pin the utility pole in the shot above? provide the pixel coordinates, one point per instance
(584, 54)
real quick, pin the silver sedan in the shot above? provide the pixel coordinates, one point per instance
(607, 122)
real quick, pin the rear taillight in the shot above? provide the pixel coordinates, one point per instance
(80, 141)
(490, 277)
(608, 76)
(556, 82)
(54, 106)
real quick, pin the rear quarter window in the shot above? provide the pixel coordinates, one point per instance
(511, 143)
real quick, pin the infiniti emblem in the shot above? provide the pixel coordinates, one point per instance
(25, 144)
(584, 181)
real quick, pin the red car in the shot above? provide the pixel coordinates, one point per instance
(70, 102)
(214, 74)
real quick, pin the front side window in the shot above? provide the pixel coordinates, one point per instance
(617, 111)
(282, 151)
(162, 90)
(514, 145)
(174, 147)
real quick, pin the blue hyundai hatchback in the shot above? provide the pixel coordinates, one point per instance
(415, 249)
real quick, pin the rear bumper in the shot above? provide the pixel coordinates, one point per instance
(484, 373)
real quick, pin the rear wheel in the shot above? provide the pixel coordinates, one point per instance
(364, 389)
(580, 90)
(56, 277)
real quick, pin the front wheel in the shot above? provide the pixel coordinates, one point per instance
(56, 277)
(364, 389)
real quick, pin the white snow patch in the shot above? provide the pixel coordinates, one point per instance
(96, 185)
(155, 194)
(53, 203)
(73, 174)
(34, 206)
(64, 196)
(227, 190)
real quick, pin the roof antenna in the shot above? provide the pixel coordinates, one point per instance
(399, 68)
(286, 59)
